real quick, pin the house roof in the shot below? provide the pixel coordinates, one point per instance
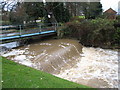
(110, 10)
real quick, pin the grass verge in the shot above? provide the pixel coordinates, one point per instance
(19, 76)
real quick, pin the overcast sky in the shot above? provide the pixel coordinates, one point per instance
(110, 3)
(105, 3)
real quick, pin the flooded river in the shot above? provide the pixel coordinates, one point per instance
(70, 60)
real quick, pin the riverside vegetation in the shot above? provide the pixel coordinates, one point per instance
(98, 32)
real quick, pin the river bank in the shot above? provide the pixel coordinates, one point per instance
(20, 76)
(70, 60)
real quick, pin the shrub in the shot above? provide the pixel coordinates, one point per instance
(77, 30)
(77, 19)
(5, 22)
(96, 32)
(117, 24)
(103, 32)
(118, 17)
(117, 37)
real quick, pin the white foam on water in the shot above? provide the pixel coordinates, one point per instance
(98, 66)
(46, 44)
(13, 52)
(96, 63)
(62, 46)
(10, 45)
(20, 56)
(27, 63)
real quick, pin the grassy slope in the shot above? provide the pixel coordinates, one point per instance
(19, 76)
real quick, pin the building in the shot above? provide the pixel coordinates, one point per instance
(110, 14)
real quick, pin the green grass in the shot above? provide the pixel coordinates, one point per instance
(19, 76)
(81, 16)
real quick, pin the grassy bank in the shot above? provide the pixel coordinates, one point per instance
(19, 76)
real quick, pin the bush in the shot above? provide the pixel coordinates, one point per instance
(96, 32)
(117, 24)
(77, 19)
(31, 25)
(103, 32)
(118, 17)
(117, 37)
(5, 22)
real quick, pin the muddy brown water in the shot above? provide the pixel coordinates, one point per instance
(70, 60)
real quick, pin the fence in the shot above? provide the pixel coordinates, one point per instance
(13, 30)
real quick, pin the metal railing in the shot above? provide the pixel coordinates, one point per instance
(13, 30)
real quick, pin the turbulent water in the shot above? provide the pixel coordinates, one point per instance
(68, 59)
